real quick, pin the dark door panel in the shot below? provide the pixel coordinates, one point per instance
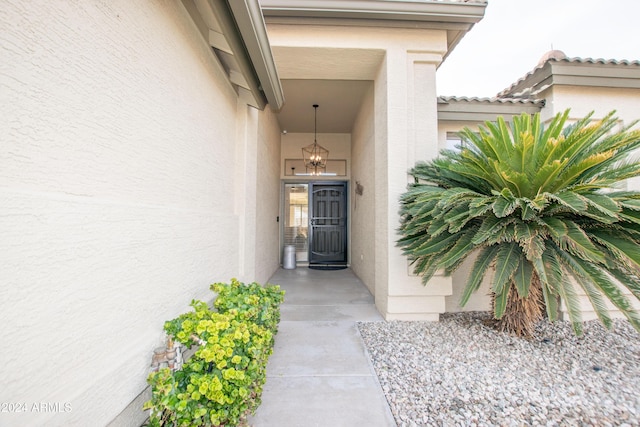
(328, 223)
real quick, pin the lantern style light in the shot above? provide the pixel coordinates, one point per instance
(315, 156)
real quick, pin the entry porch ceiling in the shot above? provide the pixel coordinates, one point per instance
(335, 79)
(339, 102)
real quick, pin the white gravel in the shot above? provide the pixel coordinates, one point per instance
(459, 372)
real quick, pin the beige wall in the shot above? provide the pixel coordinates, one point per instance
(267, 205)
(118, 177)
(411, 136)
(363, 259)
(583, 100)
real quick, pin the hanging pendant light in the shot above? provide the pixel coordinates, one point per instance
(315, 156)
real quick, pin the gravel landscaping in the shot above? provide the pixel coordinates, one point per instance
(460, 372)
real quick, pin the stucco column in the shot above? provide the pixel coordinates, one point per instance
(411, 135)
(245, 188)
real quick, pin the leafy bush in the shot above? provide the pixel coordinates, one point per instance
(254, 302)
(222, 382)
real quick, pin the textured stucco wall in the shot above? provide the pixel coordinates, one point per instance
(257, 189)
(412, 135)
(267, 206)
(583, 100)
(117, 150)
(362, 205)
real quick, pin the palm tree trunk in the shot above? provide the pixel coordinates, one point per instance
(522, 314)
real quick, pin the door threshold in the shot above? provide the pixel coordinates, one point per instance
(328, 267)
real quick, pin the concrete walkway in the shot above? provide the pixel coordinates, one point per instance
(319, 374)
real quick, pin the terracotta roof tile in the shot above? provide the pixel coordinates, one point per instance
(447, 99)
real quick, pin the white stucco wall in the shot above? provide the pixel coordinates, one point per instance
(583, 100)
(267, 206)
(117, 200)
(362, 205)
(412, 136)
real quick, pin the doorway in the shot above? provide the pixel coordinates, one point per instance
(328, 223)
(315, 221)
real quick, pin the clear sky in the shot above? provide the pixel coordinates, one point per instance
(514, 34)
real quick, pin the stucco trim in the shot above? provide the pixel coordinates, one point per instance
(577, 72)
(483, 109)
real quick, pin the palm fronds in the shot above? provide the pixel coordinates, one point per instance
(539, 204)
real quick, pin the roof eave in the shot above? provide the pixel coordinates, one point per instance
(432, 11)
(248, 16)
(236, 33)
(484, 109)
(577, 72)
(456, 17)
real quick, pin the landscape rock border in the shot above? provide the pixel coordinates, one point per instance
(461, 372)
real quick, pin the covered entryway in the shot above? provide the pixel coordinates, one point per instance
(315, 221)
(371, 68)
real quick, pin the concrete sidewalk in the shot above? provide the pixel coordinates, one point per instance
(319, 374)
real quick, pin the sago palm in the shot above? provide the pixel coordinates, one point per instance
(541, 207)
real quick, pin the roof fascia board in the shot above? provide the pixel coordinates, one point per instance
(530, 82)
(248, 17)
(352, 22)
(479, 117)
(227, 24)
(577, 73)
(595, 70)
(466, 12)
(460, 111)
(242, 41)
(596, 81)
(456, 17)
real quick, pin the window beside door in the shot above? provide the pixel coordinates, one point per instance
(296, 219)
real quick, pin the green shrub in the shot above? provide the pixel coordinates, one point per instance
(222, 382)
(254, 302)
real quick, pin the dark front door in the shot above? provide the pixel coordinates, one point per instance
(328, 223)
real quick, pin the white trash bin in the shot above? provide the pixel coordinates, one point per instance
(289, 260)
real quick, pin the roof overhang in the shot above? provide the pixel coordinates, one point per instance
(236, 32)
(463, 109)
(457, 17)
(577, 72)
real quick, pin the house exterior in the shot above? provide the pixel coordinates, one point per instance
(149, 149)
